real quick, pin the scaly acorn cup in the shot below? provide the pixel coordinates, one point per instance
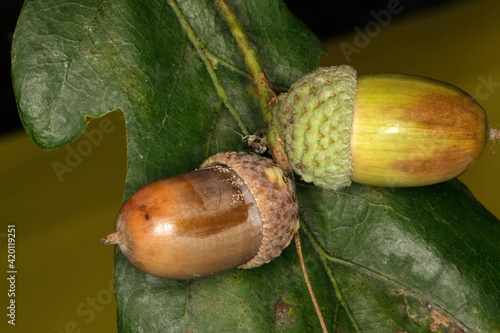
(379, 129)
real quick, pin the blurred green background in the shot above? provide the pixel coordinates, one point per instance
(65, 275)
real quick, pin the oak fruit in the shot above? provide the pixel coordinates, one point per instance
(237, 210)
(380, 129)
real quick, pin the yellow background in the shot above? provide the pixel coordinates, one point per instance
(65, 273)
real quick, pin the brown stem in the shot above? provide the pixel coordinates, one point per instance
(308, 283)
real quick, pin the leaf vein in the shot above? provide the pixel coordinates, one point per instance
(208, 66)
(325, 257)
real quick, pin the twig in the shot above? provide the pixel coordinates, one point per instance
(308, 283)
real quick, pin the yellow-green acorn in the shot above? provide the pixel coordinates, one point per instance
(379, 129)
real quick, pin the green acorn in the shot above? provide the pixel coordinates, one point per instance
(379, 129)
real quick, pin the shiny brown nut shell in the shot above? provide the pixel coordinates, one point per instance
(225, 215)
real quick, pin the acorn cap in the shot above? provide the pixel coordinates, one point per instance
(315, 121)
(275, 196)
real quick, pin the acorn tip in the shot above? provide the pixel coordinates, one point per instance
(494, 134)
(113, 238)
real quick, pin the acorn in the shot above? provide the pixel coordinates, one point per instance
(379, 129)
(237, 210)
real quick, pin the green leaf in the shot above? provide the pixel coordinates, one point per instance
(380, 260)
(403, 259)
(81, 59)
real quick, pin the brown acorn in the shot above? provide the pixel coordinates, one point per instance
(237, 210)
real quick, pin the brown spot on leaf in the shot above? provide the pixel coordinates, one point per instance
(439, 319)
(282, 314)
